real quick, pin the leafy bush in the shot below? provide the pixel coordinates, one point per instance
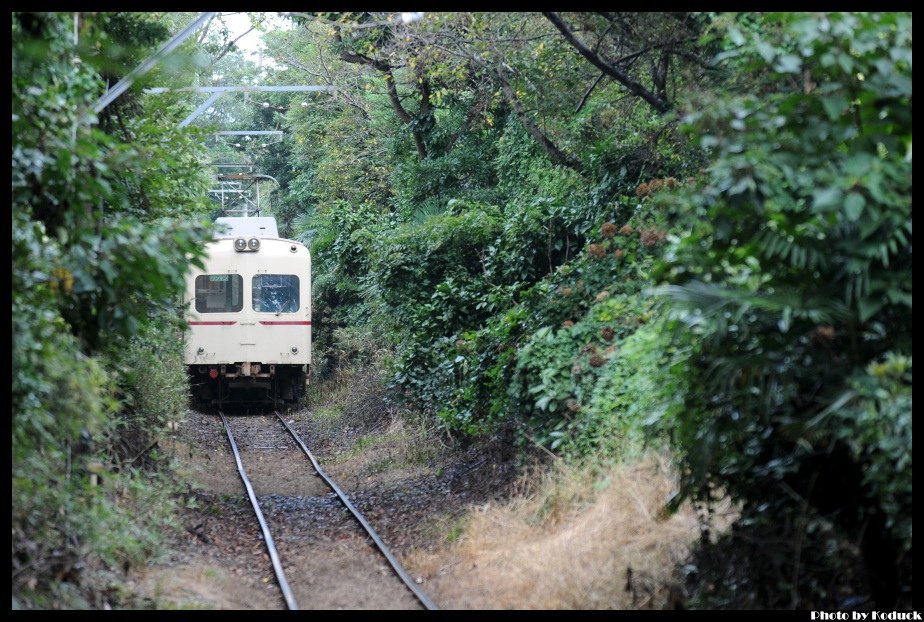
(98, 248)
(795, 277)
(152, 388)
(787, 228)
(448, 250)
(550, 363)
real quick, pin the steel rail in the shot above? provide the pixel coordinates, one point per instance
(267, 536)
(395, 564)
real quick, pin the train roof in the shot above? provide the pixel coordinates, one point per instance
(262, 226)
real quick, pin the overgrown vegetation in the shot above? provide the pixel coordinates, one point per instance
(587, 232)
(792, 286)
(497, 199)
(103, 226)
(572, 537)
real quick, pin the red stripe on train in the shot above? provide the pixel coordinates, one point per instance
(288, 323)
(211, 323)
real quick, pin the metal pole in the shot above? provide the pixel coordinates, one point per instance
(148, 64)
(249, 133)
(241, 89)
(205, 106)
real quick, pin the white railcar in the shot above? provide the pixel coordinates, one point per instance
(249, 316)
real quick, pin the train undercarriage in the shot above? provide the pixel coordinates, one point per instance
(245, 382)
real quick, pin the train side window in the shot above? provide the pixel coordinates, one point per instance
(275, 293)
(219, 293)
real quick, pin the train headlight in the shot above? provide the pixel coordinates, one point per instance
(240, 244)
(294, 349)
(254, 244)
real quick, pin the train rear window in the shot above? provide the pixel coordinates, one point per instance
(275, 293)
(219, 293)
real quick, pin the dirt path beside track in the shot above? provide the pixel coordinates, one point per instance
(413, 492)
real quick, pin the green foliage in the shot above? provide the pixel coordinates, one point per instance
(104, 227)
(578, 348)
(152, 382)
(516, 295)
(434, 261)
(66, 421)
(432, 280)
(795, 277)
(464, 174)
(877, 429)
(463, 252)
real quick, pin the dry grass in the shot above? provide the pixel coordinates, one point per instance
(353, 396)
(371, 436)
(395, 444)
(568, 541)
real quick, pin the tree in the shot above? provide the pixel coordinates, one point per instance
(631, 39)
(105, 222)
(793, 290)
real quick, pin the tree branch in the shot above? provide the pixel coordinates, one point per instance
(229, 47)
(423, 87)
(403, 114)
(659, 73)
(356, 58)
(558, 156)
(470, 117)
(393, 96)
(655, 101)
(588, 92)
(205, 30)
(291, 62)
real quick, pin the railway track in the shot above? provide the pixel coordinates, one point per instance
(344, 499)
